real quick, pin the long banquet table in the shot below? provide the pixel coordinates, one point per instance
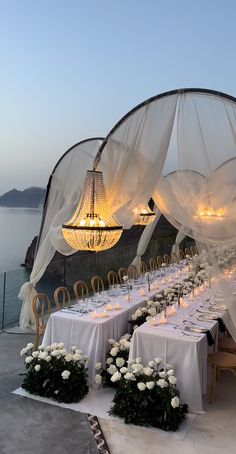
(187, 351)
(92, 335)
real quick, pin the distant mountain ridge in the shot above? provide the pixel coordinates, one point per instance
(29, 198)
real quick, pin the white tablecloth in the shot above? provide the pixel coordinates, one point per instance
(187, 354)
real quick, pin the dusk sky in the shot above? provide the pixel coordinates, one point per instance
(71, 69)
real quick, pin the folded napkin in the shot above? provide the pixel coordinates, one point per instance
(222, 327)
(210, 339)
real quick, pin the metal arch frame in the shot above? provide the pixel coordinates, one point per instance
(49, 184)
(155, 98)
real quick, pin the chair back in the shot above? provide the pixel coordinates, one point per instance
(166, 259)
(186, 251)
(112, 278)
(62, 298)
(121, 273)
(174, 257)
(81, 290)
(97, 284)
(133, 272)
(143, 267)
(152, 264)
(159, 261)
(181, 254)
(40, 306)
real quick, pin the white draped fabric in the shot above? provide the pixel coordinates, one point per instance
(65, 190)
(180, 149)
(179, 238)
(144, 240)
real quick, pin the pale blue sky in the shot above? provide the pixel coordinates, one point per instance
(70, 69)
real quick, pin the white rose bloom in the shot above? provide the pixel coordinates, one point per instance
(109, 360)
(23, 351)
(172, 380)
(136, 368)
(114, 351)
(54, 353)
(112, 369)
(43, 355)
(126, 336)
(116, 377)
(151, 363)
(138, 360)
(29, 346)
(48, 359)
(147, 371)
(162, 383)
(125, 278)
(65, 374)
(120, 362)
(135, 327)
(171, 372)
(73, 348)
(64, 352)
(37, 367)
(175, 402)
(148, 318)
(123, 341)
(35, 354)
(60, 345)
(123, 370)
(98, 366)
(158, 360)
(129, 376)
(41, 347)
(133, 317)
(127, 345)
(141, 386)
(53, 346)
(162, 374)
(98, 379)
(169, 366)
(152, 311)
(77, 357)
(150, 385)
(68, 357)
(138, 313)
(111, 341)
(144, 310)
(28, 359)
(78, 351)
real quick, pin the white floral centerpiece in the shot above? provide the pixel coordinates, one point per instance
(147, 395)
(56, 373)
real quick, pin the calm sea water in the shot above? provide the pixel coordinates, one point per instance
(18, 226)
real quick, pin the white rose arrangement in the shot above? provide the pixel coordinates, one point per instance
(56, 373)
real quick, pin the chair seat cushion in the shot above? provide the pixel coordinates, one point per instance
(222, 359)
(227, 343)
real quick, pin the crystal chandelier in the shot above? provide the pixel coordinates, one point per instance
(92, 227)
(209, 214)
(146, 215)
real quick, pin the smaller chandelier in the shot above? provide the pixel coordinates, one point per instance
(92, 227)
(209, 214)
(146, 216)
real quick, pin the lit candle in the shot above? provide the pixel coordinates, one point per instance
(117, 306)
(109, 307)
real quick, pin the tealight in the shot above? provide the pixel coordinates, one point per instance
(109, 307)
(141, 292)
(95, 314)
(128, 298)
(153, 322)
(163, 321)
(171, 310)
(183, 303)
(117, 306)
(103, 314)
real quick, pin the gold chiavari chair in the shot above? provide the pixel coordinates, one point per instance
(143, 267)
(159, 261)
(133, 272)
(166, 259)
(121, 273)
(181, 254)
(40, 306)
(220, 361)
(81, 290)
(62, 298)
(97, 284)
(192, 251)
(174, 257)
(186, 251)
(112, 278)
(152, 264)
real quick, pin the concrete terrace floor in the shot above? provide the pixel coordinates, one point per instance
(28, 426)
